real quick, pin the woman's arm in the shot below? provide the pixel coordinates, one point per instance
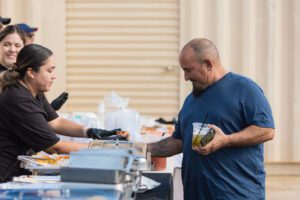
(65, 147)
(66, 127)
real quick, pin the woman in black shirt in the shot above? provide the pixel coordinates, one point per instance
(26, 118)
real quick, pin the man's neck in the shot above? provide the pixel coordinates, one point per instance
(220, 72)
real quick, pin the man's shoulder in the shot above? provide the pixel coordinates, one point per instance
(243, 81)
(240, 78)
(189, 97)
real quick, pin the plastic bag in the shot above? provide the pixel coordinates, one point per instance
(117, 115)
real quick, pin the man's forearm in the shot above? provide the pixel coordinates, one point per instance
(251, 135)
(165, 148)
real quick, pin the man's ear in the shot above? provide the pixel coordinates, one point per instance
(208, 64)
(30, 73)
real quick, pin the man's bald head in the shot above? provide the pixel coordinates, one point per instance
(203, 49)
(201, 64)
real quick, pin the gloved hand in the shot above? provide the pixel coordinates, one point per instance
(102, 134)
(57, 103)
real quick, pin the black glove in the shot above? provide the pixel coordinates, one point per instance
(57, 103)
(101, 134)
(163, 121)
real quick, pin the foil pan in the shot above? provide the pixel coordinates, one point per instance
(140, 149)
(38, 166)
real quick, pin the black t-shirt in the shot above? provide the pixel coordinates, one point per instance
(2, 68)
(23, 125)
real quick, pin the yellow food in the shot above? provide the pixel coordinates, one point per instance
(51, 159)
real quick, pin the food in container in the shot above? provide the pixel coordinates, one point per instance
(54, 159)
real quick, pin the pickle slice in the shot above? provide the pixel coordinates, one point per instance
(208, 137)
(196, 140)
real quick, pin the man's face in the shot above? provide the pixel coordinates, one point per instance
(195, 71)
(9, 49)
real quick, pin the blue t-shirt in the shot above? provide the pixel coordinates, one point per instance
(232, 103)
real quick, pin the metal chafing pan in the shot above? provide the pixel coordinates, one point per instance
(140, 149)
(142, 158)
(140, 163)
(96, 167)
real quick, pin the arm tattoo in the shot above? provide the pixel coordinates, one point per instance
(165, 148)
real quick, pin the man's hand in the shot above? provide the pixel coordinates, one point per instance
(102, 134)
(219, 141)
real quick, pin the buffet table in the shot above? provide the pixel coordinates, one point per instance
(113, 170)
(86, 191)
(162, 192)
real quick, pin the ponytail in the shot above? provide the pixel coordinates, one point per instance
(9, 77)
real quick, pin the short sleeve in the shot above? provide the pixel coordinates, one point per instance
(256, 108)
(32, 127)
(51, 113)
(177, 132)
(37, 133)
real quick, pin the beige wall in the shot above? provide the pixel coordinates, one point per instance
(49, 17)
(129, 47)
(256, 38)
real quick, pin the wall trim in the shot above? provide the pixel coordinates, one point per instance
(282, 168)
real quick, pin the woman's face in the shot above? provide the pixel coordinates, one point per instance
(9, 49)
(44, 78)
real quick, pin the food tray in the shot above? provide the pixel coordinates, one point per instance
(140, 148)
(142, 160)
(98, 160)
(36, 179)
(139, 162)
(32, 164)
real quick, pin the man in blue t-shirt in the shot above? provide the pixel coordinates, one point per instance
(231, 166)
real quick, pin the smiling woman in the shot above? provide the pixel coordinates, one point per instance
(12, 40)
(34, 69)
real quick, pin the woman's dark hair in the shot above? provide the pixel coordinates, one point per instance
(12, 29)
(31, 56)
